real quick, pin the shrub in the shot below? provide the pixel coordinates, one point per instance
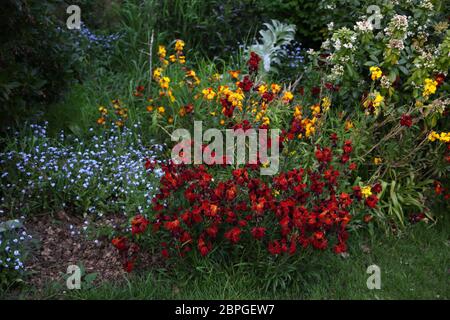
(37, 61)
(297, 208)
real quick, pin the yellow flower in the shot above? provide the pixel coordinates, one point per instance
(377, 161)
(161, 110)
(191, 73)
(103, 110)
(315, 109)
(162, 51)
(375, 73)
(171, 96)
(222, 122)
(326, 103)
(172, 58)
(164, 82)
(275, 88)
(208, 94)
(170, 120)
(236, 98)
(443, 136)
(298, 112)
(179, 45)
(119, 123)
(182, 59)
(378, 100)
(149, 108)
(266, 120)
(309, 129)
(433, 136)
(287, 97)
(157, 73)
(348, 125)
(429, 87)
(262, 89)
(366, 191)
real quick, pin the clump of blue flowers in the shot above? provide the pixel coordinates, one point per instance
(96, 176)
(293, 57)
(12, 240)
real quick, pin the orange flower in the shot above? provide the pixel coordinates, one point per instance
(234, 73)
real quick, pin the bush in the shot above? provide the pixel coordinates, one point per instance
(214, 210)
(37, 60)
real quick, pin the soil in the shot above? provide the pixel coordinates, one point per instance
(61, 241)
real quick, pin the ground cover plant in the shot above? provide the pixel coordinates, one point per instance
(91, 173)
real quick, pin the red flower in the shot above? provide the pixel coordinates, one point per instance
(440, 78)
(372, 201)
(121, 243)
(189, 108)
(274, 247)
(231, 193)
(128, 266)
(323, 155)
(315, 91)
(406, 120)
(203, 247)
(345, 199)
(319, 240)
(246, 84)
(233, 234)
(212, 231)
(172, 225)
(258, 232)
(253, 62)
(438, 189)
(139, 224)
(347, 148)
(367, 218)
(377, 188)
(357, 192)
(340, 248)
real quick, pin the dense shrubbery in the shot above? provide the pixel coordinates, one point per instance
(37, 61)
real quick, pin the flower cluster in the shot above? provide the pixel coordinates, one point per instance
(443, 136)
(121, 113)
(104, 175)
(291, 211)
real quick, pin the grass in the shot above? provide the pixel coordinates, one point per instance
(414, 265)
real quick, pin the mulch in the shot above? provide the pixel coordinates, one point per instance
(60, 242)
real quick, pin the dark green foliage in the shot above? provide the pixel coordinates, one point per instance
(36, 60)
